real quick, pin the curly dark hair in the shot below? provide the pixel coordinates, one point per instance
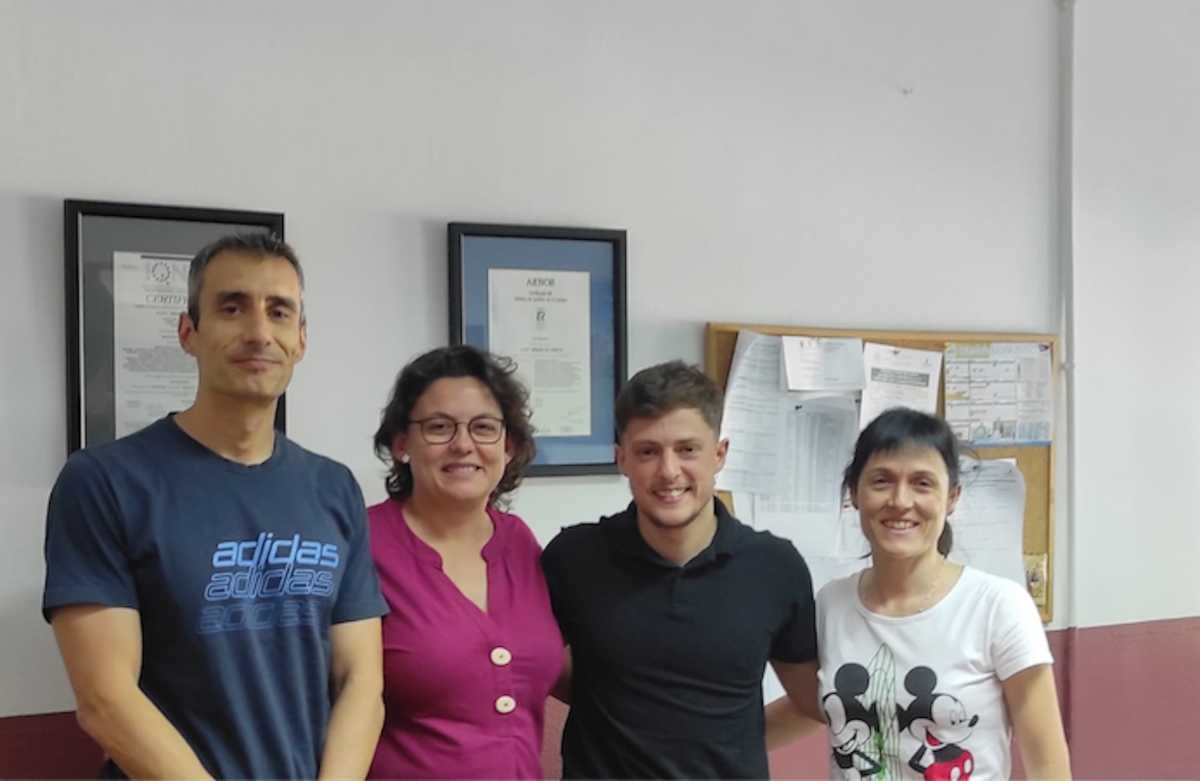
(496, 372)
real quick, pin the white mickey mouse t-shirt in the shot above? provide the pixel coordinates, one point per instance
(919, 696)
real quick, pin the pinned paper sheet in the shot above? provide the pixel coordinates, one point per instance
(1036, 577)
(1000, 393)
(899, 377)
(753, 404)
(817, 442)
(989, 521)
(813, 363)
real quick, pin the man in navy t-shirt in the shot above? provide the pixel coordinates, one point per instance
(208, 580)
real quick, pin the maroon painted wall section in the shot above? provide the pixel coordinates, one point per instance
(1134, 707)
(47, 746)
(1130, 696)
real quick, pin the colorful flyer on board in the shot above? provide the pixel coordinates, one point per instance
(1000, 393)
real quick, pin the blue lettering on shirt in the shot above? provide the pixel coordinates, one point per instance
(266, 568)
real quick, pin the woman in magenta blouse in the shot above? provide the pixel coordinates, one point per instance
(471, 648)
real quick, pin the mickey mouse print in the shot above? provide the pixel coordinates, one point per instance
(872, 737)
(921, 696)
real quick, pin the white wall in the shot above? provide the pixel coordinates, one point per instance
(1136, 246)
(838, 163)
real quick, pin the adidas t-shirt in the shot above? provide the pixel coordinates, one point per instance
(237, 573)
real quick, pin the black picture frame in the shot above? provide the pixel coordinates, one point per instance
(93, 232)
(478, 249)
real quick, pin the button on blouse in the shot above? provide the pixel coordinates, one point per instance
(464, 689)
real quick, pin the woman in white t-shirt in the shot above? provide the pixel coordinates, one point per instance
(929, 667)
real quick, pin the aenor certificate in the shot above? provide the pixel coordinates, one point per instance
(151, 372)
(542, 320)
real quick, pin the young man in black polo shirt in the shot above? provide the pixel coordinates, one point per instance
(673, 608)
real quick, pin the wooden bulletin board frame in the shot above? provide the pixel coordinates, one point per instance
(1036, 462)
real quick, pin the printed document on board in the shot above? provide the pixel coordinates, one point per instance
(814, 363)
(899, 377)
(817, 442)
(754, 402)
(989, 521)
(1000, 393)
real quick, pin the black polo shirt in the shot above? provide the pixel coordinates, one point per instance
(669, 660)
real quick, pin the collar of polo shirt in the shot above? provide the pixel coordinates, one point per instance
(624, 539)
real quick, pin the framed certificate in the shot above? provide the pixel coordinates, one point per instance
(552, 300)
(126, 283)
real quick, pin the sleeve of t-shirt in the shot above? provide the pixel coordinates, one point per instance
(552, 568)
(1018, 639)
(825, 599)
(86, 555)
(358, 595)
(796, 640)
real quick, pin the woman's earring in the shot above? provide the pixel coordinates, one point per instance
(404, 458)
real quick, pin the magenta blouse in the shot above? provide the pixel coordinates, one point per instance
(464, 690)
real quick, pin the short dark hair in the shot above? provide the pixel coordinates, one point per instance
(666, 387)
(264, 245)
(496, 372)
(900, 428)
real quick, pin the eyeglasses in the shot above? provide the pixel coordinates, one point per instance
(439, 429)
